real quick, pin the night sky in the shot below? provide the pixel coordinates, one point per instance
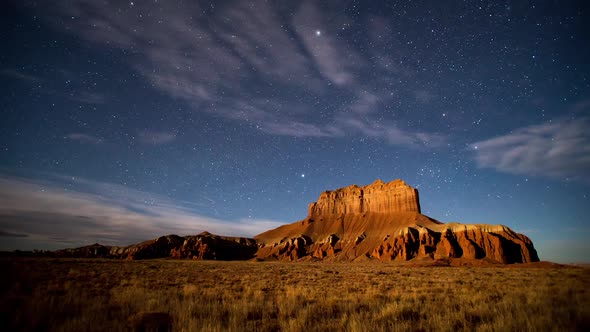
(123, 121)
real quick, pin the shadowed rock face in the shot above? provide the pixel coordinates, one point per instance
(499, 244)
(379, 221)
(203, 246)
(395, 196)
(209, 246)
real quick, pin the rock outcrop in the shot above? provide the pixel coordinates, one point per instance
(395, 196)
(92, 251)
(203, 246)
(383, 221)
(157, 248)
(380, 221)
(208, 246)
(497, 243)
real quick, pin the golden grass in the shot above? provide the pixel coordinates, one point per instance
(106, 295)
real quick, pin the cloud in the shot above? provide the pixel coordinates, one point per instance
(423, 96)
(391, 133)
(213, 62)
(325, 49)
(15, 74)
(146, 137)
(10, 234)
(84, 138)
(555, 149)
(582, 105)
(44, 214)
(300, 129)
(156, 137)
(360, 118)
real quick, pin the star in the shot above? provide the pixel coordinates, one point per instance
(318, 33)
(302, 175)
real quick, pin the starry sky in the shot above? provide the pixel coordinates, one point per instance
(126, 120)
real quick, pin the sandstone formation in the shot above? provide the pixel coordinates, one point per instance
(92, 251)
(498, 243)
(209, 246)
(380, 221)
(383, 221)
(395, 196)
(202, 246)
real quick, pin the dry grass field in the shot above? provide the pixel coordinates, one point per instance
(110, 295)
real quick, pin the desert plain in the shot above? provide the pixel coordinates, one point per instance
(60, 294)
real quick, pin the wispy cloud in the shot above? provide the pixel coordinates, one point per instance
(84, 138)
(300, 129)
(392, 134)
(557, 149)
(45, 214)
(582, 105)
(16, 74)
(210, 57)
(10, 234)
(423, 96)
(89, 97)
(156, 137)
(325, 50)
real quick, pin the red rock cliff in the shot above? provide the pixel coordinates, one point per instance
(383, 221)
(395, 196)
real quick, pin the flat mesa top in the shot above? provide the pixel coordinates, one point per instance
(394, 196)
(377, 184)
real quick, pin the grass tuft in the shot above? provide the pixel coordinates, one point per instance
(104, 295)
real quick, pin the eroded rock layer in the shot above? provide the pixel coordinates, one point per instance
(380, 221)
(395, 196)
(497, 243)
(203, 246)
(383, 221)
(395, 236)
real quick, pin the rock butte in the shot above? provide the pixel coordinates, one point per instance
(395, 196)
(380, 221)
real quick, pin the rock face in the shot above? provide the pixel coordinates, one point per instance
(202, 246)
(383, 221)
(380, 221)
(395, 196)
(209, 246)
(92, 251)
(157, 248)
(497, 243)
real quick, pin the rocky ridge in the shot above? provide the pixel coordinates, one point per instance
(379, 221)
(205, 246)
